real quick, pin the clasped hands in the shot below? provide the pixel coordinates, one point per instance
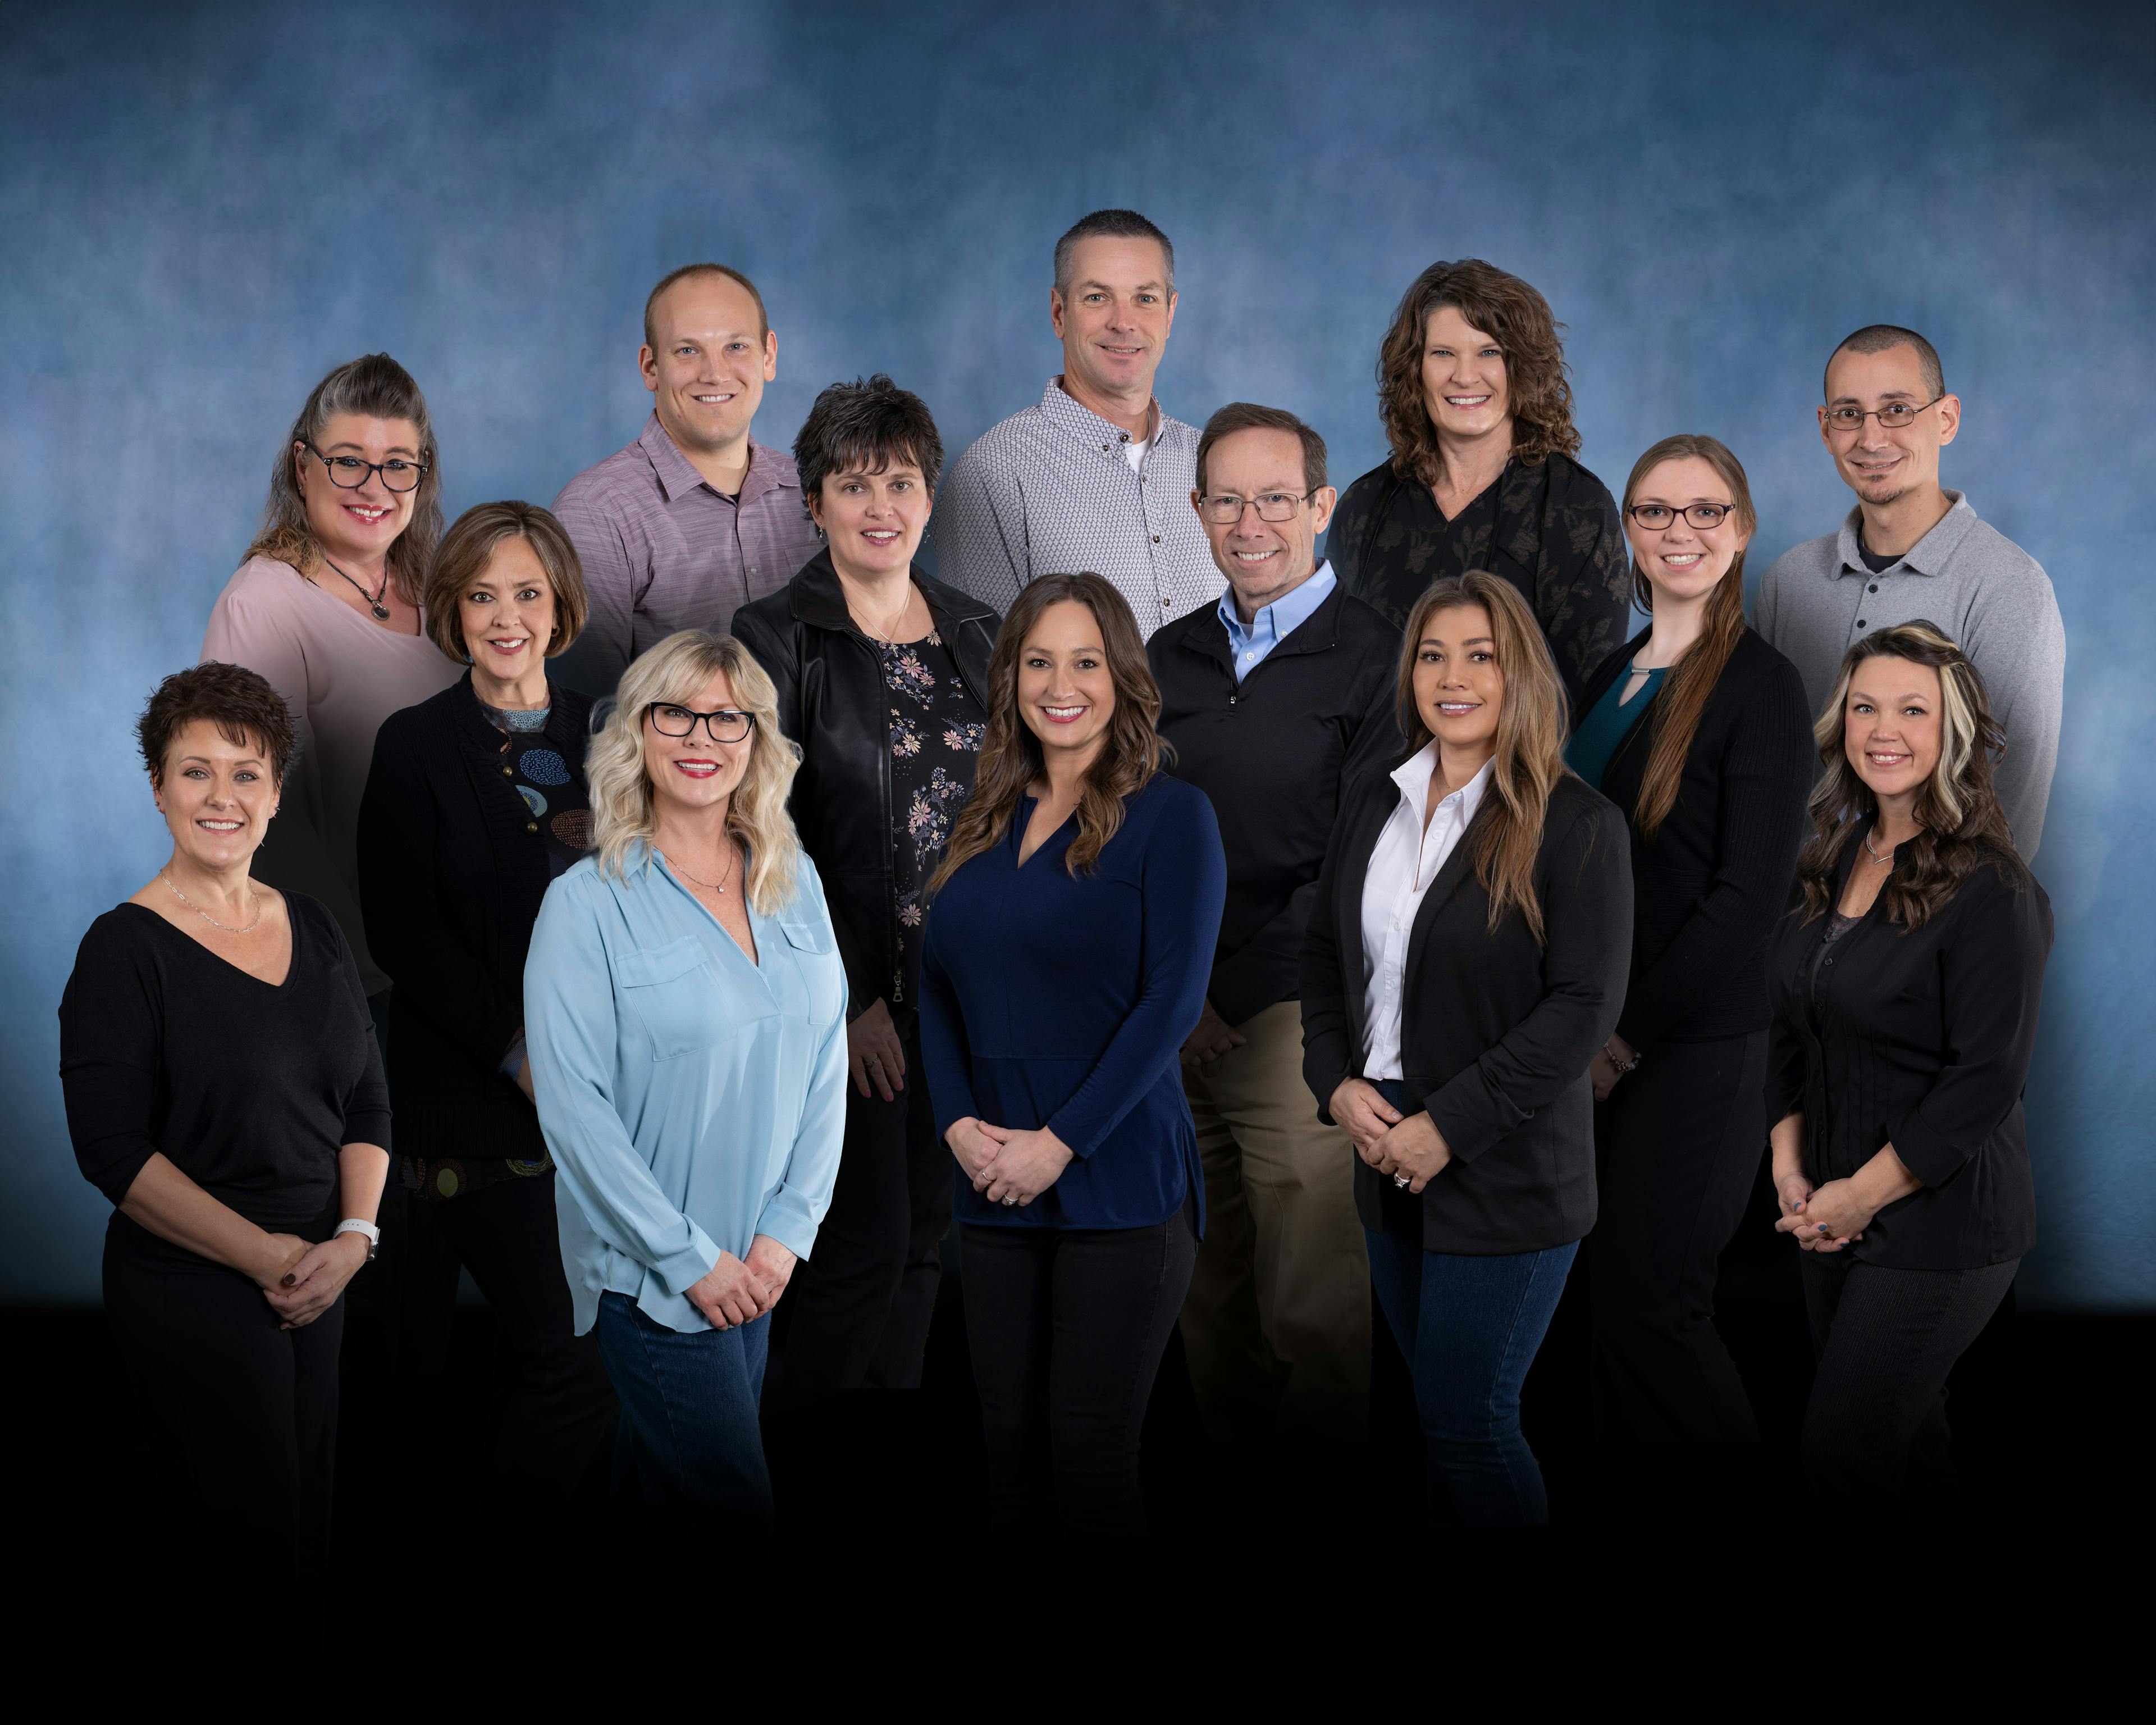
(1008, 1165)
(739, 1290)
(1824, 1219)
(1390, 1144)
(302, 1281)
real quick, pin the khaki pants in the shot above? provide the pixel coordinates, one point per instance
(1276, 1326)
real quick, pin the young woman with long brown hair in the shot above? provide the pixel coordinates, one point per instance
(1069, 942)
(1905, 993)
(1467, 957)
(1697, 731)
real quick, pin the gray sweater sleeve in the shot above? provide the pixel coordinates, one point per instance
(2017, 641)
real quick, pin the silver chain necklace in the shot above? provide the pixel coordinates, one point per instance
(719, 886)
(205, 915)
(1875, 856)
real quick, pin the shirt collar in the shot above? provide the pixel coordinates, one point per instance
(1414, 774)
(1063, 412)
(1928, 556)
(1276, 622)
(677, 476)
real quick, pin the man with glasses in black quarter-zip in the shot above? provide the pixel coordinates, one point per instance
(1274, 698)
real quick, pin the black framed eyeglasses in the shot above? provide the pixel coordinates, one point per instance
(1702, 516)
(1849, 417)
(724, 726)
(1225, 510)
(349, 473)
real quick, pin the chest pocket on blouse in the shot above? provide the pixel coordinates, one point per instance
(673, 993)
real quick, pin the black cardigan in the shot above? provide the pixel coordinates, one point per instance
(1274, 753)
(1497, 1032)
(452, 868)
(832, 701)
(1550, 529)
(1708, 892)
(1921, 1038)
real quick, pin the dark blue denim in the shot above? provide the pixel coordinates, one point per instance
(688, 1455)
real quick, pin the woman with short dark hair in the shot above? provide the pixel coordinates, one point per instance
(1905, 992)
(475, 803)
(223, 1090)
(882, 677)
(1075, 918)
(1482, 474)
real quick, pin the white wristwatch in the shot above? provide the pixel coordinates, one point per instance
(352, 1225)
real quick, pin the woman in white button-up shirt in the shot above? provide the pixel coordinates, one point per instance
(1467, 957)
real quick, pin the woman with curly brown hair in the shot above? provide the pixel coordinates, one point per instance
(1905, 992)
(1472, 388)
(1069, 947)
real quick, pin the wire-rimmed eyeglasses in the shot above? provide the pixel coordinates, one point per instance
(1896, 414)
(1226, 510)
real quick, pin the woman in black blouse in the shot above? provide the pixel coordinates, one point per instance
(474, 802)
(1905, 992)
(1472, 388)
(881, 674)
(1698, 730)
(223, 1090)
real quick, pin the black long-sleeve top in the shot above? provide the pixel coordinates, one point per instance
(1550, 529)
(250, 1090)
(1274, 753)
(1496, 1031)
(1919, 1038)
(1708, 893)
(453, 864)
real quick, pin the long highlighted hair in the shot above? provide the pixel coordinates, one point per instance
(672, 673)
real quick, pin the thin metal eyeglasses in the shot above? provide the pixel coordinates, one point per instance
(1702, 516)
(1224, 511)
(349, 473)
(1848, 416)
(724, 726)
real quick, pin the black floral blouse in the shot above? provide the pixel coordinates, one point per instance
(936, 732)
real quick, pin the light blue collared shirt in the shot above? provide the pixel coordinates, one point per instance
(691, 1098)
(1274, 623)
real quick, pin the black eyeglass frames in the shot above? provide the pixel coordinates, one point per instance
(1655, 517)
(724, 726)
(349, 473)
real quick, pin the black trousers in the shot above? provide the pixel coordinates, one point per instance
(1681, 1138)
(1876, 1446)
(556, 1403)
(1067, 1327)
(244, 1414)
(856, 1314)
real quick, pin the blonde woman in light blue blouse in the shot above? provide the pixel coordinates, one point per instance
(684, 1008)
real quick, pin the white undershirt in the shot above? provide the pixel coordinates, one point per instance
(1134, 453)
(1407, 857)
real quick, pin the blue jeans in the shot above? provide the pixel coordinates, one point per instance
(1469, 1327)
(688, 1454)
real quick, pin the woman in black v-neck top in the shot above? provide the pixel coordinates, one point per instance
(224, 1091)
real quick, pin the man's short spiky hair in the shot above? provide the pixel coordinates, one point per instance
(1111, 224)
(1877, 338)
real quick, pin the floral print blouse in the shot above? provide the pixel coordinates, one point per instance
(935, 740)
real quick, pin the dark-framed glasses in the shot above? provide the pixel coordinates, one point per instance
(1701, 516)
(1849, 417)
(1224, 511)
(349, 472)
(724, 726)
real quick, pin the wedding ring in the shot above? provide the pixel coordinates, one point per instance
(1010, 1200)
(1399, 1180)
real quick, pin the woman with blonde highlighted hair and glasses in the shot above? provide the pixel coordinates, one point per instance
(685, 1010)
(1905, 990)
(1465, 959)
(1698, 730)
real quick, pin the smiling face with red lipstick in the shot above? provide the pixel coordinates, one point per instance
(355, 527)
(1067, 695)
(694, 777)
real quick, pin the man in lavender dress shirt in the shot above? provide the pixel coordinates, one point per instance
(695, 518)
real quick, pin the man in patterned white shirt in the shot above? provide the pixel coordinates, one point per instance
(1096, 476)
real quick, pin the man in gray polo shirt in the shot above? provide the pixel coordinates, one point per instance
(1911, 550)
(1096, 476)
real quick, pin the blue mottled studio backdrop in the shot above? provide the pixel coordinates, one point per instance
(203, 208)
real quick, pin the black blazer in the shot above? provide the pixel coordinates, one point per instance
(1708, 893)
(451, 872)
(1497, 1032)
(1274, 753)
(1920, 1039)
(832, 701)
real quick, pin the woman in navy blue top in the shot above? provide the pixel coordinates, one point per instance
(1068, 944)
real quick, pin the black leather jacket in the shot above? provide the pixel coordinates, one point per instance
(832, 701)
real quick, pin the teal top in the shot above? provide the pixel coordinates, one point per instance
(692, 1098)
(1598, 734)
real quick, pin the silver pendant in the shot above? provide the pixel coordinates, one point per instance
(381, 612)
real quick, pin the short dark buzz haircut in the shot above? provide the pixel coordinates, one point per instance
(1111, 224)
(666, 281)
(1248, 416)
(247, 712)
(1877, 338)
(863, 427)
